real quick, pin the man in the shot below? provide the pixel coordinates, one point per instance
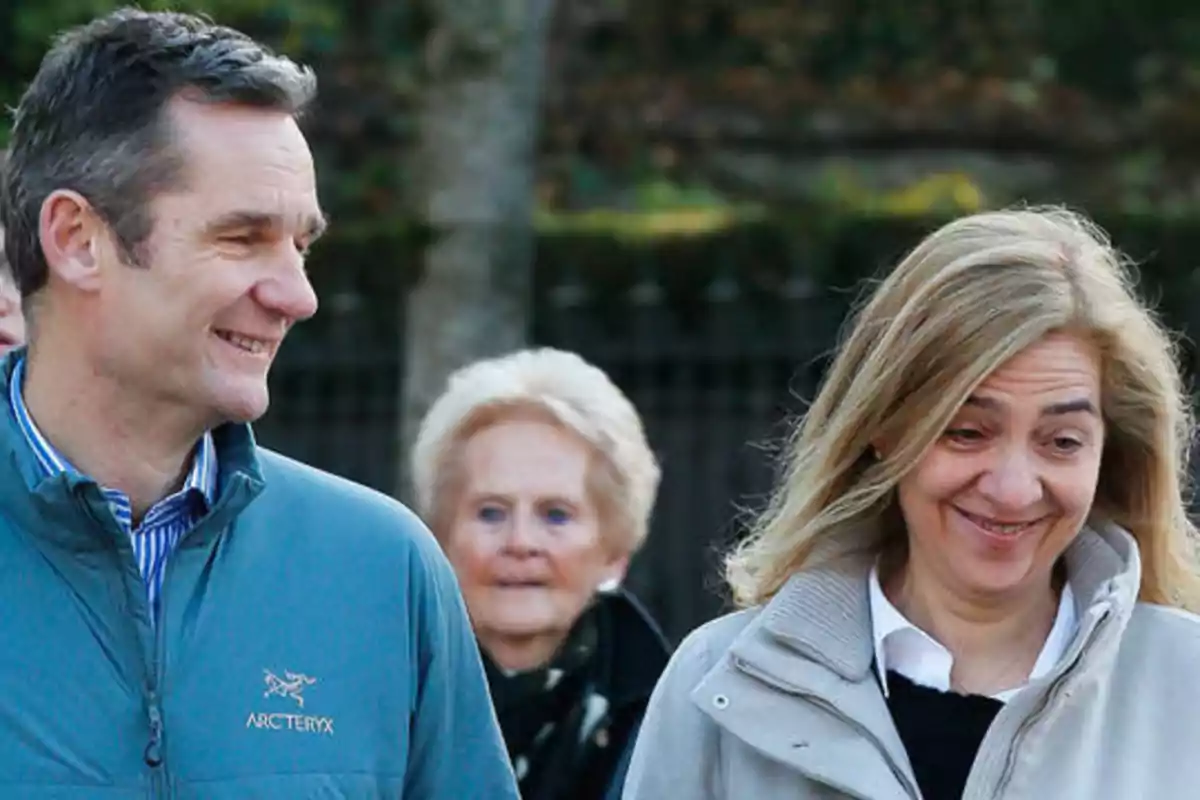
(186, 614)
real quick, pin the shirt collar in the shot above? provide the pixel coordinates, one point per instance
(201, 478)
(903, 647)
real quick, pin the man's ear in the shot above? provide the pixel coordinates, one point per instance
(72, 234)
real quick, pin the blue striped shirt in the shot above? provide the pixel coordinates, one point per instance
(164, 524)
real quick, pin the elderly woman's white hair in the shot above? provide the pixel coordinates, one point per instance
(565, 389)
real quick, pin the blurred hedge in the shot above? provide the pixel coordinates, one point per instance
(637, 89)
(767, 257)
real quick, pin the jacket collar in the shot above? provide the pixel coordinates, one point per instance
(811, 649)
(824, 614)
(639, 650)
(66, 507)
(902, 646)
(624, 649)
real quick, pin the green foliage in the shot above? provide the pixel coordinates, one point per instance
(1074, 80)
(358, 49)
(1116, 49)
(1080, 73)
(301, 28)
(661, 224)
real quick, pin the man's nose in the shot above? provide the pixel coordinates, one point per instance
(288, 292)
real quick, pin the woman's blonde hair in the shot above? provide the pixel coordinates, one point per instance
(969, 297)
(564, 389)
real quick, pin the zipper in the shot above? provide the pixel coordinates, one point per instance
(152, 754)
(830, 708)
(161, 775)
(1027, 724)
(158, 664)
(1052, 693)
(155, 754)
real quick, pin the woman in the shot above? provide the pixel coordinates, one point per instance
(972, 581)
(535, 475)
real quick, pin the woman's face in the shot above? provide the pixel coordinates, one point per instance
(525, 537)
(1008, 485)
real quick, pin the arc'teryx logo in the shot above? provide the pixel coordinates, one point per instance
(290, 686)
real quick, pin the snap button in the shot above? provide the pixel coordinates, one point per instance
(721, 701)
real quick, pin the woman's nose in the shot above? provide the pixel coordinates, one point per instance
(524, 534)
(1013, 481)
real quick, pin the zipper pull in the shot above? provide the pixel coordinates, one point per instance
(153, 752)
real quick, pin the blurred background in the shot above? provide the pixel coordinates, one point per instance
(689, 193)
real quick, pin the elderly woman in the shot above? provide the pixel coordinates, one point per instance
(534, 473)
(973, 580)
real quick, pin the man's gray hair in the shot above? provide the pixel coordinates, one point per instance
(92, 120)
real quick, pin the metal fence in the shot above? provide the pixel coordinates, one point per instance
(716, 364)
(714, 359)
(718, 345)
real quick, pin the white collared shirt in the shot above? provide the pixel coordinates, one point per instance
(908, 650)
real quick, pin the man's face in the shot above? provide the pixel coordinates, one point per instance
(223, 280)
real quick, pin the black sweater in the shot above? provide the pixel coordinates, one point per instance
(941, 732)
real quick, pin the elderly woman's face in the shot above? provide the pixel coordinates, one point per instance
(1012, 479)
(525, 538)
(12, 322)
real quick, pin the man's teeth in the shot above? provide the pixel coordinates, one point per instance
(245, 343)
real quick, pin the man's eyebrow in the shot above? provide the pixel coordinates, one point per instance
(315, 224)
(244, 219)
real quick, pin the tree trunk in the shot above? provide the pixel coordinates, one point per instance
(473, 181)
